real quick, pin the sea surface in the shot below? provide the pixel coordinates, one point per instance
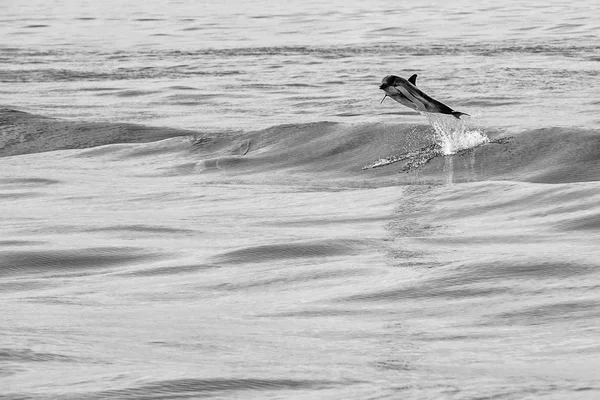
(206, 199)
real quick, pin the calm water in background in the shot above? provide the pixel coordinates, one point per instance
(256, 64)
(231, 246)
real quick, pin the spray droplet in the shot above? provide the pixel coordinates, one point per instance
(453, 135)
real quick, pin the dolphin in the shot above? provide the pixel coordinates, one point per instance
(406, 93)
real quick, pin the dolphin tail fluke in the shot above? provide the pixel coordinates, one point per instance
(458, 114)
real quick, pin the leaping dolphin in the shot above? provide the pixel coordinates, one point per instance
(406, 93)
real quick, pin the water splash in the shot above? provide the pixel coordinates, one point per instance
(453, 135)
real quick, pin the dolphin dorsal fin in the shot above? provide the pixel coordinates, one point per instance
(413, 79)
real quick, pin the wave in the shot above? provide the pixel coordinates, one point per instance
(187, 388)
(67, 262)
(461, 154)
(328, 150)
(24, 133)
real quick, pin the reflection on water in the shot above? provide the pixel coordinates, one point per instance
(449, 170)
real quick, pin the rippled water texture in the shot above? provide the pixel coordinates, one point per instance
(203, 200)
(256, 64)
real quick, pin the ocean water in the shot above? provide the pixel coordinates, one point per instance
(203, 200)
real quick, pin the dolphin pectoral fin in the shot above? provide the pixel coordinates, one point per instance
(458, 114)
(413, 79)
(383, 99)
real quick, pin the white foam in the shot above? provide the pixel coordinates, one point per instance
(453, 135)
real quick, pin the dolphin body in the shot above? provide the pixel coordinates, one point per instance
(406, 93)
